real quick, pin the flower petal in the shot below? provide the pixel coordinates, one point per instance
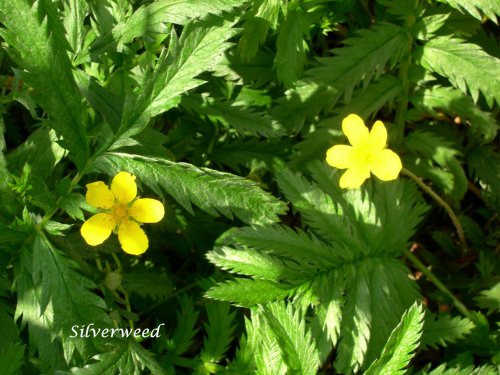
(99, 196)
(353, 178)
(124, 187)
(97, 229)
(378, 136)
(340, 156)
(147, 210)
(355, 130)
(386, 165)
(132, 238)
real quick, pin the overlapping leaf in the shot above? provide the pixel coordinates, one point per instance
(210, 190)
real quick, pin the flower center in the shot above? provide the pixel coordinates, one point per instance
(120, 211)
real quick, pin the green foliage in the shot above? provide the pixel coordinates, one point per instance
(443, 329)
(466, 65)
(37, 43)
(262, 264)
(403, 341)
(210, 190)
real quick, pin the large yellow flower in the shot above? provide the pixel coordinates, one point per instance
(122, 213)
(368, 153)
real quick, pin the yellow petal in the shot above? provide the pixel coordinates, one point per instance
(132, 238)
(147, 210)
(353, 178)
(355, 130)
(99, 196)
(386, 165)
(97, 229)
(124, 187)
(378, 136)
(340, 156)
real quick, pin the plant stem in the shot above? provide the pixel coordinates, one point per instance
(443, 204)
(433, 278)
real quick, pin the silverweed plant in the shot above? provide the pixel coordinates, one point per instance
(319, 182)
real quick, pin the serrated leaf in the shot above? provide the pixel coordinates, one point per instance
(247, 293)
(200, 47)
(455, 102)
(40, 50)
(185, 331)
(75, 12)
(484, 164)
(240, 118)
(294, 339)
(219, 328)
(290, 47)
(151, 283)
(437, 160)
(210, 190)
(476, 8)
(127, 357)
(68, 293)
(251, 263)
(490, 299)
(152, 19)
(442, 329)
(466, 65)
(362, 59)
(401, 344)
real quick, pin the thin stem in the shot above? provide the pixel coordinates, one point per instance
(128, 306)
(433, 278)
(443, 204)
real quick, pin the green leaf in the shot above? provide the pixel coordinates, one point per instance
(456, 103)
(263, 347)
(219, 328)
(280, 240)
(40, 150)
(37, 315)
(185, 331)
(251, 263)
(362, 59)
(12, 359)
(126, 358)
(476, 8)
(402, 342)
(466, 65)
(152, 19)
(490, 299)
(294, 339)
(247, 293)
(240, 118)
(68, 293)
(200, 48)
(40, 50)
(264, 15)
(290, 47)
(436, 159)
(210, 190)
(153, 283)
(75, 12)
(442, 329)
(484, 165)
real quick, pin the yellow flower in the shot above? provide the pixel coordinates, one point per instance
(368, 153)
(123, 214)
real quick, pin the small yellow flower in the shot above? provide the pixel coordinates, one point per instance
(368, 153)
(123, 214)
